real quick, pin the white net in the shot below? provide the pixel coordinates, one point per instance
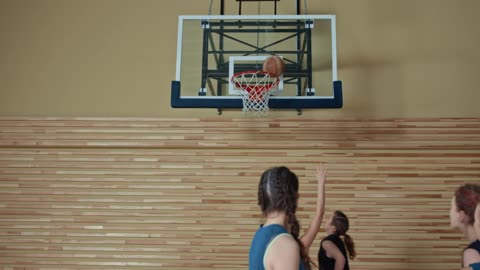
(256, 88)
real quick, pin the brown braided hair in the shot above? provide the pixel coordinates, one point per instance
(278, 191)
(341, 224)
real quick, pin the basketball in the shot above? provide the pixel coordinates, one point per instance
(274, 65)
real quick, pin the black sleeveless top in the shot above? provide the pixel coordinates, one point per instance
(326, 263)
(475, 245)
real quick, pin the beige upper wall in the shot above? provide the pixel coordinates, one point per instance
(117, 57)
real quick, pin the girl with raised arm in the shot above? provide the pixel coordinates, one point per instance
(309, 236)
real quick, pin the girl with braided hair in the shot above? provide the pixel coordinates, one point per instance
(462, 211)
(335, 251)
(276, 244)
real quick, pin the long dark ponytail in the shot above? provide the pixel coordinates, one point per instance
(278, 191)
(341, 224)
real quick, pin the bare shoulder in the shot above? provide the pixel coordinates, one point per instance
(287, 241)
(332, 250)
(327, 244)
(470, 256)
(284, 253)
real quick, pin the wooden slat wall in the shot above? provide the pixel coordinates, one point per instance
(136, 193)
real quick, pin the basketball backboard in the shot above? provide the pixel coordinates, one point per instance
(212, 48)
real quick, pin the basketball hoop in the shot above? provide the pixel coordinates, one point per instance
(256, 87)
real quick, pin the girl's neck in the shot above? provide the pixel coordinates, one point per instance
(276, 217)
(469, 233)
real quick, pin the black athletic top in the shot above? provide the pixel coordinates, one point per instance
(326, 263)
(475, 245)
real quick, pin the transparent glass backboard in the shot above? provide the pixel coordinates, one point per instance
(206, 45)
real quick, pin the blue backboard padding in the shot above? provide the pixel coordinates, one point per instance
(311, 102)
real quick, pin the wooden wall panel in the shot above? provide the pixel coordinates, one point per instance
(150, 193)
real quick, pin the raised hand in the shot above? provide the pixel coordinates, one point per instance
(309, 236)
(321, 174)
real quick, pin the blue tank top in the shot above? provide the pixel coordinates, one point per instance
(260, 243)
(475, 266)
